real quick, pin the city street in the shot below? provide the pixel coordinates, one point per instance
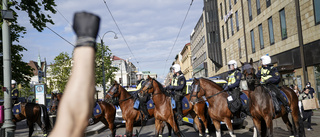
(280, 129)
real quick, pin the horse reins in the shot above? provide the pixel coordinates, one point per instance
(119, 95)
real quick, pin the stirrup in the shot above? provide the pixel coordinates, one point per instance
(288, 109)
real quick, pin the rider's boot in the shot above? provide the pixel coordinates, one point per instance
(179, 112)
(145, 113)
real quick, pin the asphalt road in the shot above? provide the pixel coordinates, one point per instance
(280, 129)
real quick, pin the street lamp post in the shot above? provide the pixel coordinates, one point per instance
(103, 73)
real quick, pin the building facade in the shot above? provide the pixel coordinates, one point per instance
(286, 30)
(186, 67)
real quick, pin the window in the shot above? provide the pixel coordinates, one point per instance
(209, 38)
(252, 42)
(258, 7)
(225, 6)
(235, 2)
(223, 33)
(227, 27)
(316, 4)
(250, 10)
(208, 17)
(237, 20)
(231, 23)
(221, 10)
(225, 56)
(239, 46)
(283, 24)
(229, 4)
(261, 36)
(268, 3)
(271, 31)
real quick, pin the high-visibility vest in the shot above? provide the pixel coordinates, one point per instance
(174, 82)
(265, 75)
(232, 77)
(140, 84)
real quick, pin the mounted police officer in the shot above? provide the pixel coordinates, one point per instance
(270, 78)
(143, 100)
(178, 83)
(14, 92)
(234, 78)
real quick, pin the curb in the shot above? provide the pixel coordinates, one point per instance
(97, 129)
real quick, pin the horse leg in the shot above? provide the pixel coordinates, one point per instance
(205, 123)
(197, 122)
(268, 120)
(129, 127)
(169, 129)
(110, 125)
(30, 125)
(285, 119)
(174, 125)
(297, 121)
(218, 127)
(230, 127)
(158, 125)
(257, 127)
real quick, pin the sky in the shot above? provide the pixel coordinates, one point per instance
(150, 28)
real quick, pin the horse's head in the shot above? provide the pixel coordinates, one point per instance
(196, 91)
(113, 91)
(249, 72)
(147, 87)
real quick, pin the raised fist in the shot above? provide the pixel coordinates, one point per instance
(86, 27)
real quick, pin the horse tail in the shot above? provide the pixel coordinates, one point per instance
(45, 118)
(301, 126)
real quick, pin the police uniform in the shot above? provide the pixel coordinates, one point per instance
(143, 101)
(234, 78)
(15, 95)
(177, 85)
(270, 77)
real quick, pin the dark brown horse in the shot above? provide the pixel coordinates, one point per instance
(218, 107)
(34, 113)
(131, 115)
(107, 116)
(262, 109)
(163, 110)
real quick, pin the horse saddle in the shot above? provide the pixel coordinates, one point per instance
(285, 97)
(97, 109)
(16, 109)
(185, 103)
(244, 98)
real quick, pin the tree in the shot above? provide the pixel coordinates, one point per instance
(59, 72)
(21, 72)
(109, 75)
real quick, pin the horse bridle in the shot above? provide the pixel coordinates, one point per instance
(146, 90)
(198, 90)
(115, 92)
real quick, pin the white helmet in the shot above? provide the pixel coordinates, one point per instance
(234, 63)
(266, 60)
(13, 82)
(176, 67)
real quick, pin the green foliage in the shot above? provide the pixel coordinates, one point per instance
(109, 76)
(60, 71)
(21, 72)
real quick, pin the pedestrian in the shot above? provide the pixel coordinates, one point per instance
(308, 86)
(296, 90)
(306, 113)
(78, 99)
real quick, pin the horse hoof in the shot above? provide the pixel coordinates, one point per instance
(200, 135)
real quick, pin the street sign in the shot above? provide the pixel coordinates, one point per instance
(40, 93)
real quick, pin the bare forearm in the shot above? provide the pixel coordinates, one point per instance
(78, 99)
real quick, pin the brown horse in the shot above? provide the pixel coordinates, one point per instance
(218, 107)
(131, 115)
(107, 116)
(163, 110)
(262, 109)
(34, 113)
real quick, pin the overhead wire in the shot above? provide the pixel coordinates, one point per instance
(177, 37)
(121, 33)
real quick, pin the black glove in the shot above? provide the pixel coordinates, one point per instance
(86, 27)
